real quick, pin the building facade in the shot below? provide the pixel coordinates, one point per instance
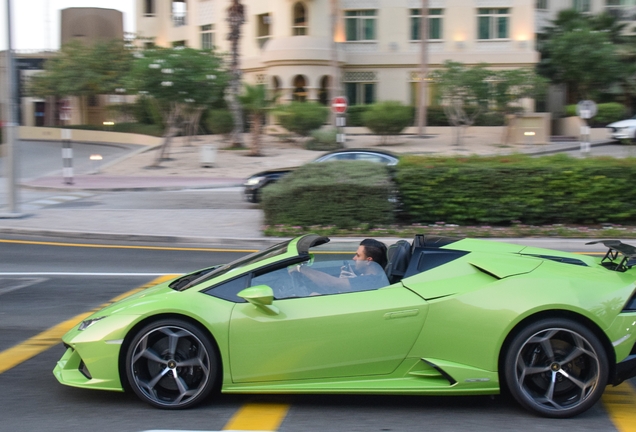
(287, 44)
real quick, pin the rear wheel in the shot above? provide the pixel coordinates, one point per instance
(171, 364)
(556, 368)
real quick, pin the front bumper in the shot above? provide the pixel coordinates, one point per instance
(95, 373)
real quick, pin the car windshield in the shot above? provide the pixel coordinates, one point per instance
(272, 251)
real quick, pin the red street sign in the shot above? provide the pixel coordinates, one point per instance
(339, 105)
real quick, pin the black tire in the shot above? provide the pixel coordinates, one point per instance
(171, 364)
(556, 368)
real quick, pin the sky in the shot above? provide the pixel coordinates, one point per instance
(36, 23)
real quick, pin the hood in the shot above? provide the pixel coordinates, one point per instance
(623, 123)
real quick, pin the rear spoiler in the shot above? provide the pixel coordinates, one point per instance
(611, 258)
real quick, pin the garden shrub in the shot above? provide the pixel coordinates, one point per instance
(502, 189)
(219, 121)
(302, 117)
(345, 194)
(354, 115)
(323, 140)
(387, 118)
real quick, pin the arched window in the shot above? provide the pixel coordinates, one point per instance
(323, 92)
(299, 26)
(300, 90)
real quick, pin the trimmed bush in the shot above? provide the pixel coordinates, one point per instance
(344, 194)
(219, 121)
(505, 189)
(387, 118)
(606, 113)
(354, 115)
(302, 117)
(323, 140)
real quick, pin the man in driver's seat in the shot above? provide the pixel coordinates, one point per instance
(368, 273)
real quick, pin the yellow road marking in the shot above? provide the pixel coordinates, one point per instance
(258, 417)
(39, 343)
(88, 245)
(620, 403)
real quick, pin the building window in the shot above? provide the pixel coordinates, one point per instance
(542, 4)
(263, 29)
(299, 27)
(207, 36)
(180, 43)
(360, 93)
(179, 12)
(360, 25)
(581, 5)
(300, 89)
(493, 23)
(619, 10)
(149, 8)
(434, 24)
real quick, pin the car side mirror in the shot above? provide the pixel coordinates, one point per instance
(260, 296)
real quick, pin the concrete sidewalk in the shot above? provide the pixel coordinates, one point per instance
(240, 228)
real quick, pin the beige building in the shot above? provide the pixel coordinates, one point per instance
(286, 44)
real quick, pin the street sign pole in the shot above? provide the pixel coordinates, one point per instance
(339, 108)
(585, 110)
(10, 127)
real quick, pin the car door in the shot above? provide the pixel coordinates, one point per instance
(325, 336)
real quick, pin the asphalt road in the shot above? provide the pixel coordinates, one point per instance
(42, 285)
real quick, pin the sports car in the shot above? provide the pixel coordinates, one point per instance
(446, 316)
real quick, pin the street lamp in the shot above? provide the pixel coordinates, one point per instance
(422, 84)
(10, 126)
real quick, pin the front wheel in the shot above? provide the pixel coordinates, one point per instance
(556, 368)
(171, 364)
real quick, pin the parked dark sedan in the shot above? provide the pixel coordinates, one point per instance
(255, 184)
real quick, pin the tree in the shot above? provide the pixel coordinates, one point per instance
(387, 118)
(255, 102)
(83, 70)
(180, 81)
(584, 53)
(510, 87)
(462, 87)
(236, 18)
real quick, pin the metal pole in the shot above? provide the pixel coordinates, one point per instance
(11, 125)
(422, 84)
(335, 70)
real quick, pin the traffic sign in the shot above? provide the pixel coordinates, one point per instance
(586, 109)
(339, 105)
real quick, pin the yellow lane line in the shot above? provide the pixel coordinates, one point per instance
(258, 417)
(31, 347)
(620, 403)
(88, 245)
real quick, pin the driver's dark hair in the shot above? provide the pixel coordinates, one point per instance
(376, 250)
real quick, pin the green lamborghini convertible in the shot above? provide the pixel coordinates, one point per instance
(445, 317)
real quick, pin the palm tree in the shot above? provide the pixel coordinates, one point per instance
(236, 18)
(255, 102)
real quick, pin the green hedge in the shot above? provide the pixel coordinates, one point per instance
(517, 189)
(606, 113)
(435, 116)
(344, 194)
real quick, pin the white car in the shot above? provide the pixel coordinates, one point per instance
(624, 129)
